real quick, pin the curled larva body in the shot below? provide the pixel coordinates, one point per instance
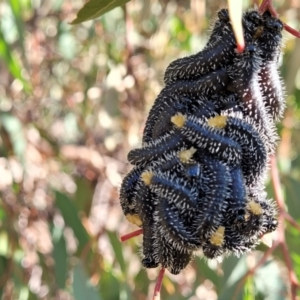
(209, 84)
(215, 188)
(270, 42)
(161, 104)
(128, 190)
(254, 155)
(271, 89)
(246, 85)
(156, 148)
(270, 221)
(176, 190)
(172, 257)
(218, 51)
(210, 140)
(174, 225)
(237, 198)
(201, 109)
(198, 178)
(145, 208)
(237, 243)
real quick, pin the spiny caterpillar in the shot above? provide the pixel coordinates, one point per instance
(197, 181)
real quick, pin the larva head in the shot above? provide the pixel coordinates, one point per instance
(270, 216)
(211, 252)
(128, 191)
(253, 17)
(240, 217)
(272, 23)
(253, 219)
(252, 20)
(223, 15)
(271, 38)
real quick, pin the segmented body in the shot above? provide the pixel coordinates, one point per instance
(197, 181)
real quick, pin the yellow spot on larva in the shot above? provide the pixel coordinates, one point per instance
(186, 155)
(147, 177)
(258, 32)
(178, 120)
(255, 208)
(217, 237)
(218, 121)
(134, 219)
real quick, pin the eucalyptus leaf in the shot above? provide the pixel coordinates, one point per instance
(82, 288)
(95, 8)
(70, 215)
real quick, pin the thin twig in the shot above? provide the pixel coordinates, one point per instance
(292, 221)
(253, 270)
(268, 5)
(264, 5)
(281, 233)
(131, 235)
(156, 294)
(291, 30)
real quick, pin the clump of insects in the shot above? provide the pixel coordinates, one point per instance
(198, 179)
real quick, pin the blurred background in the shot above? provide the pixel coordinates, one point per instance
(73, 102)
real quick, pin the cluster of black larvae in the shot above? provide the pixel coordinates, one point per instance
(197, 181)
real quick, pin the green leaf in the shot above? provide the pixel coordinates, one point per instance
(14, 129)
(234, 269)
(70, 215)
(205, 272)
(2, 214)
(117, 247)
(274, 287)
(4, 243)
(13, 66)
(82, 287)
(3, 267)
(67, 45)
(96, 8)
(249, 292)
(24, 293)
(109, 286)
(142, 282)
(17, 12)
(60, 257)
(84, 194)
(292, 195)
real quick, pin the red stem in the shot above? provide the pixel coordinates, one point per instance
(276, 184)
(131, 235)
(268, 5)
(264, 6)
(156, 295)
(253, 270)
(281, 233)
(291, 220)
(291, 30)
